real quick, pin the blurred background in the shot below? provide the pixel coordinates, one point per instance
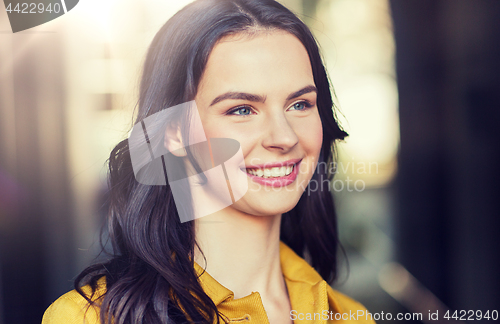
(417, 190)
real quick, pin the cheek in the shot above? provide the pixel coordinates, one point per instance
(246, 134)
(317, 139)
(310, 133)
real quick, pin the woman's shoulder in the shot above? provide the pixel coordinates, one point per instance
(73, 308)
(348, 309)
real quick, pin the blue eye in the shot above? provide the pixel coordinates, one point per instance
(242, 111)
(301, 105)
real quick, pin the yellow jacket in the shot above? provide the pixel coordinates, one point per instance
(312, 299)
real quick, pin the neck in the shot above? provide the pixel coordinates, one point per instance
(241, 252)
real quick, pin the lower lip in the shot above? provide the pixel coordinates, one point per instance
(278, 181)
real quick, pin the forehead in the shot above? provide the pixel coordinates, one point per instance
(263, 63)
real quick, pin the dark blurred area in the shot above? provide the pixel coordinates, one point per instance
(36, 241)
(443, 204)
(448, 71)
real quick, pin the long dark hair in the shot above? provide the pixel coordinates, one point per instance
(150, 277)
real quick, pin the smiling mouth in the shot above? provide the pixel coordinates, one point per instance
(274, 172)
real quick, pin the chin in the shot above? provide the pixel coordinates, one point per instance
(266, 207)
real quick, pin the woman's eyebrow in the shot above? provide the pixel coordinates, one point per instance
(309, 88)
(258, 98)
(238, 95)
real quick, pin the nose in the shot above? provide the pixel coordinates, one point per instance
(281, 136)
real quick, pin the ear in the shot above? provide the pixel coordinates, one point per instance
(173, 140)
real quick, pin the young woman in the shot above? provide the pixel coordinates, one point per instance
(254, 72)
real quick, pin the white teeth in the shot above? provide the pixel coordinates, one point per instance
(272, 172)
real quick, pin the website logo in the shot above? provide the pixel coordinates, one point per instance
(205, 176)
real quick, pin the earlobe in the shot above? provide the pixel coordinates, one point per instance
(173, 140)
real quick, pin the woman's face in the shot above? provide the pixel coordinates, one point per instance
(260, 91)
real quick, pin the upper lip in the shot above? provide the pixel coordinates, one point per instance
(274, 164)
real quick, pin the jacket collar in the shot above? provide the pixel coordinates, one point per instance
(307, 289)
